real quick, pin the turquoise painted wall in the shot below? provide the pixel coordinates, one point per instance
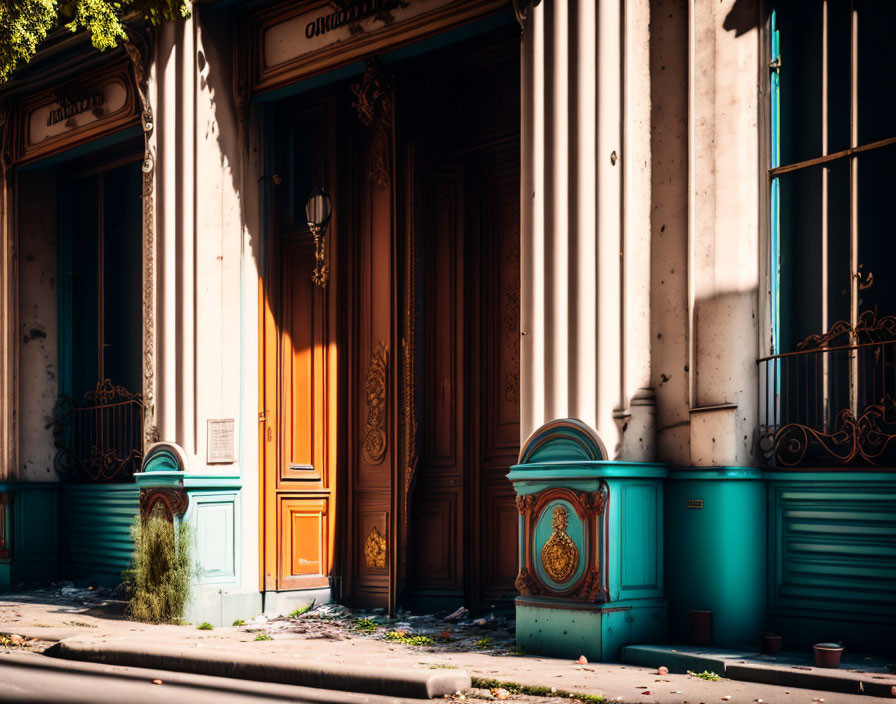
(716, 555)
(34, 529)
(96, 531)
(832, 558)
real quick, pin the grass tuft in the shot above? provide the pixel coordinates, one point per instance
(263, 636)
(302, 610)
(407, 639)
(367, 625)
(239, 622)
(162, 570)
(705, 675)
(483, 644)
(205, 626)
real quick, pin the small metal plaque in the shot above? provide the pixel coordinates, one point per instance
(221, 441)
(693, 503)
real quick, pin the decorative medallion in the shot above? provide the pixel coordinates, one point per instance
(375, 549)
(560, 556)
(373, 448)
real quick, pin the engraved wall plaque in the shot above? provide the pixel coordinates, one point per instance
(221, 444)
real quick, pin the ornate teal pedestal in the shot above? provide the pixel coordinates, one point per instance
(591, 536)
(210, 504)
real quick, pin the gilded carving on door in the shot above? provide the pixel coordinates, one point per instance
(374, 445)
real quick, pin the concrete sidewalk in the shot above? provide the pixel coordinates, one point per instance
(337, 644)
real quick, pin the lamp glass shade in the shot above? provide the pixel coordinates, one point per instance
(318, 208)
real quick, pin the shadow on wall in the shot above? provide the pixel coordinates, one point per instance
(745, 16)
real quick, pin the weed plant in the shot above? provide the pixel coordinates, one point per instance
(162, 570)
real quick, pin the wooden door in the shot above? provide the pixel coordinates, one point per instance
(494, 378)
(373, 347)
(299, 360)
(462, 113)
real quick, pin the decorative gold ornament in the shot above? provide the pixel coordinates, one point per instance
(375, 549)
(560, 556)
(373, 448)
(374, 100)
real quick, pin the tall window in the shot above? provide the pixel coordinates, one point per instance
(99, 422)
(833, 246)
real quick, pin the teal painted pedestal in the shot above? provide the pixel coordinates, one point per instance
(211, 507)
(591, 535)
(715, 549)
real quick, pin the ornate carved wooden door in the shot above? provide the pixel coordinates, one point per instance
(372, 344)
(299, 342)
(462, 114)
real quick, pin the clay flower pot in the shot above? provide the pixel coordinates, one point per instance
(701, 627)
(828, 654)
(769, 643)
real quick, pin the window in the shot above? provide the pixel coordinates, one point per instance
(100, 411)
(830, 383)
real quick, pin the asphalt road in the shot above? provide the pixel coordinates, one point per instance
(27, 678)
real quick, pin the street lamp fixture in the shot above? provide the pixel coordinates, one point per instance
(317, 213)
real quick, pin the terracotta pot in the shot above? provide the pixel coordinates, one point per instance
(769, 643)
(701, 627)
(828, 654)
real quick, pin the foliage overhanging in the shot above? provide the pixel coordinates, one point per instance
(24, 24)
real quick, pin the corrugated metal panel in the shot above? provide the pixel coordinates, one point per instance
(96, 531)
(835, 549)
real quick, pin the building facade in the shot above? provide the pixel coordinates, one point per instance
(308, 275)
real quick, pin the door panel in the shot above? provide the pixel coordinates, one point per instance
(497, 224)
(304, 559)
(298, 466)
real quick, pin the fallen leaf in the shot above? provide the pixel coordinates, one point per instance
(157, 681)
(663, 670)
(646, 691)
(583, 660)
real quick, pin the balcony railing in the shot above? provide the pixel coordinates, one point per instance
(832, 402)
(99, 438)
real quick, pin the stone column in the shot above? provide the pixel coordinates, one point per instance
(175, 218)
(579, 326)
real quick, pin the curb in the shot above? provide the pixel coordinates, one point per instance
(739, 667)
(413, 684)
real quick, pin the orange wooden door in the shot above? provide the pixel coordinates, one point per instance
(299, 363)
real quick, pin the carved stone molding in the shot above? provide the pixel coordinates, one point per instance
(168, 501)
(374, 444)
(138, 49)
(521, 9)
(375, 549)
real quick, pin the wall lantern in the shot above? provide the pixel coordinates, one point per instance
(317, 213)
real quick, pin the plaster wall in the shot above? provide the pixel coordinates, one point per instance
(38, 369)
(668, 206)
(206, 321)
(724, 229)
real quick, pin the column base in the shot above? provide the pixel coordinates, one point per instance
(599, 632)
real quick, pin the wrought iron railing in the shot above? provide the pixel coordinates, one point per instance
(832, 402)
(99, 438)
